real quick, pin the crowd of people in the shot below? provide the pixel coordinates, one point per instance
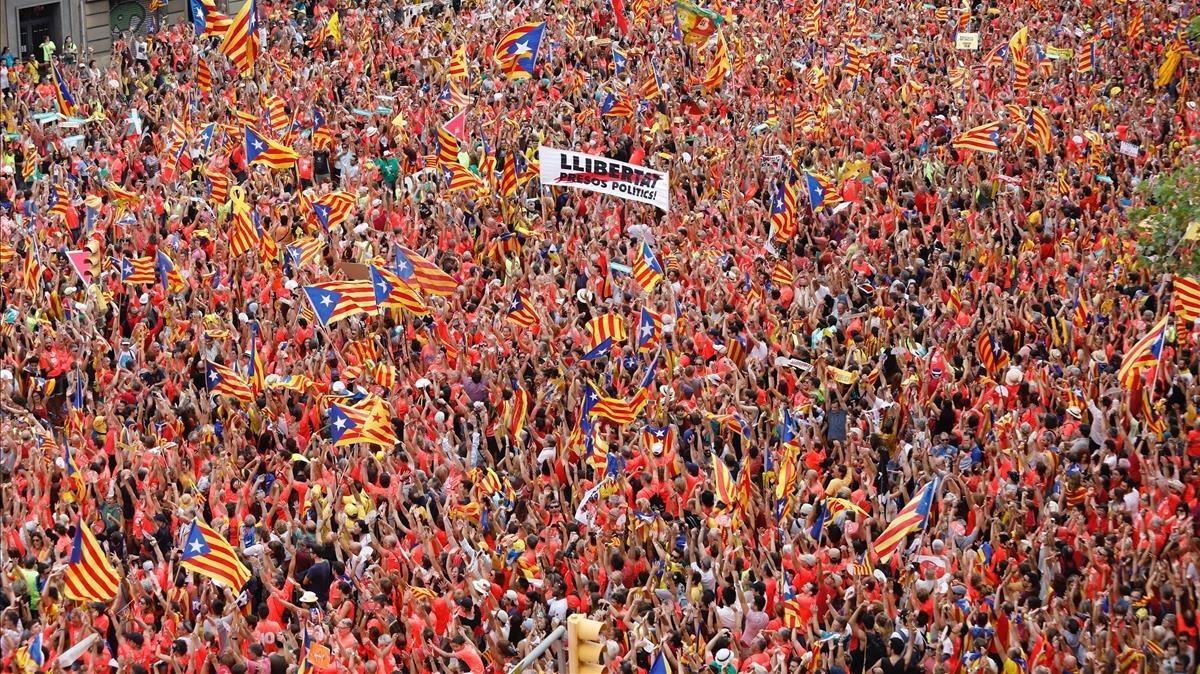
(867, 403)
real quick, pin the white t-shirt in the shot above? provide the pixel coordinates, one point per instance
(557, 609)
(1133, 501)
(728, 617)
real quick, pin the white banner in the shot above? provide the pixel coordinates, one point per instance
(607, 176)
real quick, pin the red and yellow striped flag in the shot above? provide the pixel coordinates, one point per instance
(241, 39)
(720, 67)
(606, 326)
(461, 178)
(1186, 302)
(89, 576)
(204, 77)
(723, 485)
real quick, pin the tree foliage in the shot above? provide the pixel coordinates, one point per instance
(1168, 236)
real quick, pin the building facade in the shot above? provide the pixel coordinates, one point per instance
(24, 24)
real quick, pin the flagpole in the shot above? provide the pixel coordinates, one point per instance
(325, 331)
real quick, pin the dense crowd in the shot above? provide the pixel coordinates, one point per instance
(896, 285)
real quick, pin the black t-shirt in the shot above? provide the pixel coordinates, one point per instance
(861, 659)
(900, 666)
(321, 162)
(319, 578)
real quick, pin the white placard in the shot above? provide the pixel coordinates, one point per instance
(966, 41)
(1128, 149)
(607, 176)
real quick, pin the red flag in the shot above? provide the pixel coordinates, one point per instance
(80, 263)
(618, 8)
(457, 126)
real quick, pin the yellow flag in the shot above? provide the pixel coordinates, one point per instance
(1166, 71)
(335, 27)
(842, 376)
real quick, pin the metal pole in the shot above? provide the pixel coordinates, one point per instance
(543, 646)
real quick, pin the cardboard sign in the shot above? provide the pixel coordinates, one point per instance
(1128, 149)
(966, 41)
(319, 655)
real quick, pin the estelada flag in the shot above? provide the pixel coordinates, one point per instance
(912, 517)
(983, 138)
(207, 553)
(517, 51)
